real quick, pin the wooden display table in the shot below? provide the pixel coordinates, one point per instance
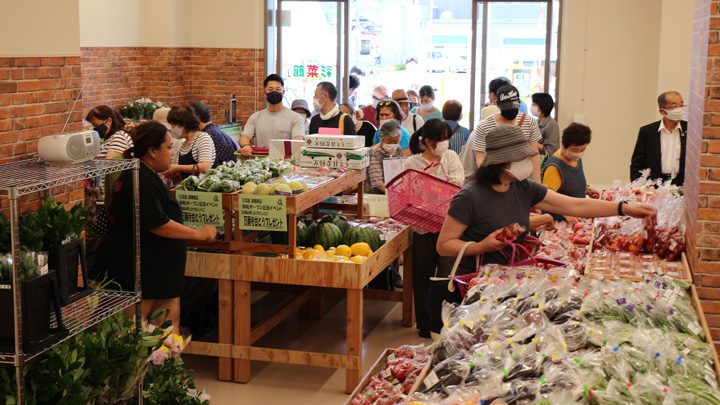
(238, 268)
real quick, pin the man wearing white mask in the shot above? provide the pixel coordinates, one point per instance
(370, 111)
(330, 115)
(274, 122)
(660, 146)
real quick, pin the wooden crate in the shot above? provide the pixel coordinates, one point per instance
(305, 202)
(589, 271)
(703, 323)
(378, 365)
(296, 271)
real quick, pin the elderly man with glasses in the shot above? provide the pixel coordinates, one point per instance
(660, 146)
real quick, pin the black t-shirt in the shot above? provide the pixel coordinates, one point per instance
(162, 263)
(485, 210)
(316, 123)
(368, 131)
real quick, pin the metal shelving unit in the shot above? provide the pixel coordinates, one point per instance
(34, 175)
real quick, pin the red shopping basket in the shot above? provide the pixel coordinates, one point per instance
(420, 199)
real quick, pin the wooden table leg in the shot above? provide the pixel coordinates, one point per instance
(408, 312)
(241, 335)
(354, 336)
(225, 326)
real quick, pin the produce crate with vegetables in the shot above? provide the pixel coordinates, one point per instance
(514, 340)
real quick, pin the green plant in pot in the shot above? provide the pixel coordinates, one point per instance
(61, 238)
(39, 296)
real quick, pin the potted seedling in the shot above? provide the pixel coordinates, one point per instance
(40, 298)
(61, 230)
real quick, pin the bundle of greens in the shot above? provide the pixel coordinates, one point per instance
(231, 176)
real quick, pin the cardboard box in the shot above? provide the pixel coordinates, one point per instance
(335, 141)
(335, 158)
(285, 149)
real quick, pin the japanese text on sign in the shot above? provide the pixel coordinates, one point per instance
(201, 208)
(262, 212)
(312, 71)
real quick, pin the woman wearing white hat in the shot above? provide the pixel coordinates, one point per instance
(500, 195)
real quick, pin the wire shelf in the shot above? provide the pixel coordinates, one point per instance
(86, 312)
(32, 175)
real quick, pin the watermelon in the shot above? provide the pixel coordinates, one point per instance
(362, 234)
(303, 232)
(327, 235)
(339, 220)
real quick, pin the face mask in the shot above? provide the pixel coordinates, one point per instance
(521, 170)
(534, 111)
(176, 132)
(316, 105)
(509, 114)
(274, 97)
(101, 130)
(383, 121)
(676, 114)
(390, 148)
(427, 106)
(375, 102)
(574, 156)
(441, 148)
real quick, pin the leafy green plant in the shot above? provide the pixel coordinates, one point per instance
(169, 384)
(31, 234)
(28, 266)
(59, 224)
(100, 365)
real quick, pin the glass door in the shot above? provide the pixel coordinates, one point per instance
(310, 42)
(516, 40)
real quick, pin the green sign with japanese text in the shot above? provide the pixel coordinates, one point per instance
(262, 212)
(201, 208)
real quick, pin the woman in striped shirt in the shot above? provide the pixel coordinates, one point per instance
(198, 153)
(109, 125)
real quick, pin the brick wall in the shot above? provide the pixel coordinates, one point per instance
(175, 76)
(702, 181)
(36, 96)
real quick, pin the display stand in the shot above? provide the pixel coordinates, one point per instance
(236, 272)
(34, 175)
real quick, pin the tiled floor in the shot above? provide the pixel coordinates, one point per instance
(273, 383)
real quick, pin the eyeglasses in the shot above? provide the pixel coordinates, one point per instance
(674, 106)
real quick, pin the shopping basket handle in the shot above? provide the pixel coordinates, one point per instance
(451, 284)
(515, 246)
(433, 164)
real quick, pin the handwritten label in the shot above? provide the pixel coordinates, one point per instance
(201, 208)
(262, 212)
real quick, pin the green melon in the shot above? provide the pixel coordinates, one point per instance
(365, 234)
(326, 235)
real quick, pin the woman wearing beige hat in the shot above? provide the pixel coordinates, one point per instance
(500, 195)
(412, 122)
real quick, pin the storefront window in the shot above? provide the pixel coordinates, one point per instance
(405, 44)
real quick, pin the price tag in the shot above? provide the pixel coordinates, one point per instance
(482, 351)
(431, 380)
(391, 357)
(386, 373)
(201, 208)
(694, 328)
(262, 212)
(686, 351)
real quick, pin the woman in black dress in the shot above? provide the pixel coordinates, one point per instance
(163, 237)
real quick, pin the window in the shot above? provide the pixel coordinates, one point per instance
(455, 46)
